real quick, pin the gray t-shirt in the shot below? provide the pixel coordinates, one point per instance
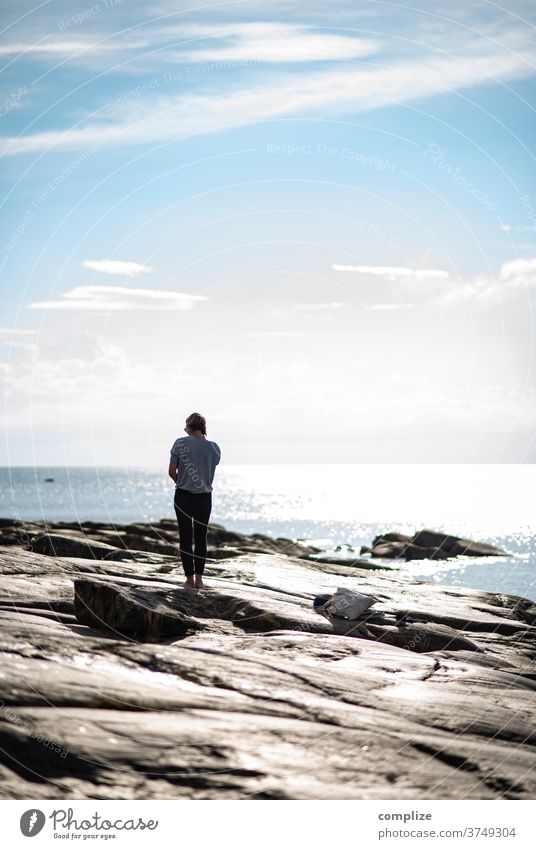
(196, 461)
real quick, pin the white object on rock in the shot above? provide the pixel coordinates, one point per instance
(347, 604)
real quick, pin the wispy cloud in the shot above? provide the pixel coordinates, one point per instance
(512, 227)
(76, 369)
(255, 41)
(117, 298)
(380, 307)
(355, 88)
(14, 337)
(46, 48)
(116, 267)
(321, 307)
(9, 332)
(433, 286)
(277, 334)
(274, 42)
(394, 272)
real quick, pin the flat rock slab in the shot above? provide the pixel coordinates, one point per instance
(151, 611)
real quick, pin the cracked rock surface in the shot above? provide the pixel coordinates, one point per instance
(244, 691)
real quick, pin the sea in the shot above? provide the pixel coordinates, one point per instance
(339, 508)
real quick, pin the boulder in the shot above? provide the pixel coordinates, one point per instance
(390, 536)
(470, 548)
(408, 551)
(70, 546)
(9, 523)
(428, 545)
(139, 542)
(455, 545)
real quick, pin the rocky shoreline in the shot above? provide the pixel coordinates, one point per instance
(428, 545)
(242, 691)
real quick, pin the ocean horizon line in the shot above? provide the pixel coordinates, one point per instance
(156, 467)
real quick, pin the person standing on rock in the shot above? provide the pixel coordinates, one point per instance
(192, 466)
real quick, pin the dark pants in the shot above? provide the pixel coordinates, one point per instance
(193, 512)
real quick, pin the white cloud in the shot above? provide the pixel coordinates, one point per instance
(277, 334)
(76, 369)
(80, 49)
(9, 332)
(117, 298)
(390, 306)
(512, 227)
(516, 278)
(356, 88)
(432, 286)
(60, 48)
(321, 307)
(115, 266)
(517, 268)
(394, 272)
(253, 41)
(14, 337)
(85, 359)
(275, 42)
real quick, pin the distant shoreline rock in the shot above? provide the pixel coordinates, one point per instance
(138, 541)
(428, 545)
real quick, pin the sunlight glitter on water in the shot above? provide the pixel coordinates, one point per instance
(484, 499)
(330, 505)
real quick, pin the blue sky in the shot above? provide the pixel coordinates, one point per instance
(314, 222)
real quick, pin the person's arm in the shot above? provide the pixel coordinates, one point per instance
(173, 469)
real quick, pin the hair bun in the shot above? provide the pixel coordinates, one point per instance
(197, 422)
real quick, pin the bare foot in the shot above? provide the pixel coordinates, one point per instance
(199, 585)
(189, 583)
